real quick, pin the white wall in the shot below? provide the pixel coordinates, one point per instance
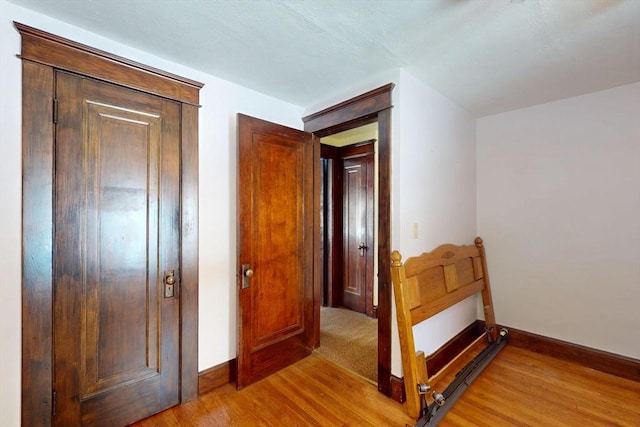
(559, 207)
(10, 220)
(433, 186)
(574, 163)
(220, 101)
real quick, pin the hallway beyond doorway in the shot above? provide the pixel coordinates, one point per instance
(351, 340)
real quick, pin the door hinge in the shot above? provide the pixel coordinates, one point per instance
(53, 403)
(55, 111)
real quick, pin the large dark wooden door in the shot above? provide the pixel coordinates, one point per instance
(357, 223)
(275, 247)
(117, 231)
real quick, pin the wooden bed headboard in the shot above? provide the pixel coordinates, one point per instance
(428, 284)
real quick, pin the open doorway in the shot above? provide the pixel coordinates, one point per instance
(302, 332)
(348, 324)
(370, 107)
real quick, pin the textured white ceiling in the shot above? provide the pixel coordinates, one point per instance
(488, 56)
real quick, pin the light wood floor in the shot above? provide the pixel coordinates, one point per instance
(522, 388)
(519, 388)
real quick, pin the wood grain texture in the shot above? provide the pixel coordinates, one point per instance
(333, 227)
(37, 243)
(357, 230)
(355, 108)
(311, 392)
(217, 376)
(487, 299)
(368, 108)
(116, 341)
(276, 237)
(225, 373)
(384, 251)
(603, 361)
(446, 362)
(443, 356)
(408, 351)
(460, 360)
(519, 388)
(334, 220)
(189, 253)
(38, 146)
(525, 388)
(397, 389)
(445, 276)
(598, 360)
(439, 358)
(314, 324)
(424, 286)
(48, 49)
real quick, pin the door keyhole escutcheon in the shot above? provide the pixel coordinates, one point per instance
(247, 273)
(169, 282)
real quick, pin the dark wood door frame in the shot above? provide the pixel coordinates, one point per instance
(42, 54)
(331, 205)
(367, 108)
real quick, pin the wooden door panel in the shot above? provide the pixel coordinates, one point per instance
(278, 192)
(122, 153)
(117, 230)
(354, 226)
(275, 240)
(358, 233)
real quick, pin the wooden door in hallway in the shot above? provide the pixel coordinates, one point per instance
(116, 250)
(278, 222)
(357, 228)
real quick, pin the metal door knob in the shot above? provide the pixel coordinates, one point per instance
(170, 279)
(247, 272)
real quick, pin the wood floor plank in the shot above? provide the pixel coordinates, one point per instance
(304, 395)
(354, 389)
(312, 392)
(519, 388)
(526, 388)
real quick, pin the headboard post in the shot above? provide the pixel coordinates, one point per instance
(405, 333)
(487, 301)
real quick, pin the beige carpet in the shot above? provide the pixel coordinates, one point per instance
(351, 340)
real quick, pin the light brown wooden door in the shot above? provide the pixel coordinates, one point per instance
(275, 247)
(358, 233)
(117, 219)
